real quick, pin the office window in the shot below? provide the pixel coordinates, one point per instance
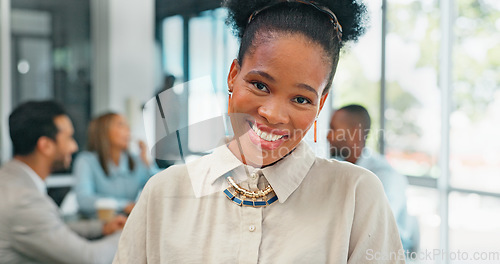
(423, 203)
(173, 46)
(474, 225)
(212, 48)
(474, 140)
(209, 54)
(413, 96)
(474, 143)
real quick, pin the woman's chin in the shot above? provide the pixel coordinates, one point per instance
(123, 147)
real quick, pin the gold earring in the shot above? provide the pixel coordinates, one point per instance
(229, 100)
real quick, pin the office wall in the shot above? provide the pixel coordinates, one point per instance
(124, 58)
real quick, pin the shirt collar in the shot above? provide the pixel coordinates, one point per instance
(39, 183)
(204, 171)
(285, 176)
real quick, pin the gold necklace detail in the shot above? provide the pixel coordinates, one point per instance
(247, 193)
(240, 194)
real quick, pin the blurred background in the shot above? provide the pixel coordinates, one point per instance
(428, 71)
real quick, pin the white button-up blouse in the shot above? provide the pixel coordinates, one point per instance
(327, 212)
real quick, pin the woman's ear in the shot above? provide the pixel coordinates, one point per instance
(233, 72)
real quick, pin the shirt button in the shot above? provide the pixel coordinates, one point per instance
(254, 175)
(251, 228)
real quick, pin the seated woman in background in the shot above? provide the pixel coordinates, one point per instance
(107, 169)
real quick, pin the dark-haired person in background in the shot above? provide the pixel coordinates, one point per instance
(349, 129)
(31, 229)
(268, 198)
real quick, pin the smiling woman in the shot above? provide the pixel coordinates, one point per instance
(281, 94)
(285, 205)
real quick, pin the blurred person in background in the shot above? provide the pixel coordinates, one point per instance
(349, 129)
(31, 229)
(107, 169)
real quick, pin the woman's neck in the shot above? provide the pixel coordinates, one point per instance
(115, 154)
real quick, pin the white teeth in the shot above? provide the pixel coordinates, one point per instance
(276, 137)
(264, 135)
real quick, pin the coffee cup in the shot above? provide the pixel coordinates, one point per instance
(106, 208)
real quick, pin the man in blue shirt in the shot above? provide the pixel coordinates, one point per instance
(349, 129)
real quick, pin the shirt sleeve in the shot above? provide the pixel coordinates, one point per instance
(87, 228)
(374, 234)
(39, 233)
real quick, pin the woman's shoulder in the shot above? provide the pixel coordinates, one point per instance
(180, 177)
(174, 172)
(170, 179)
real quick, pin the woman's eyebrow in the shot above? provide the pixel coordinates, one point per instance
(263, 74)
(308, 88)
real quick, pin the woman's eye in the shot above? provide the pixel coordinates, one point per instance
(261, 86)
(301, 100)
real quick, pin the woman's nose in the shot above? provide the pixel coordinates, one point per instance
(274, 111)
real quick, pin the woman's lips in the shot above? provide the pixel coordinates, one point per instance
(267, 138)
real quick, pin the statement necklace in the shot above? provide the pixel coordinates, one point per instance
(239, 195)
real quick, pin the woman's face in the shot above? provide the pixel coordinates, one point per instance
(119, 132)
(278, 92)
